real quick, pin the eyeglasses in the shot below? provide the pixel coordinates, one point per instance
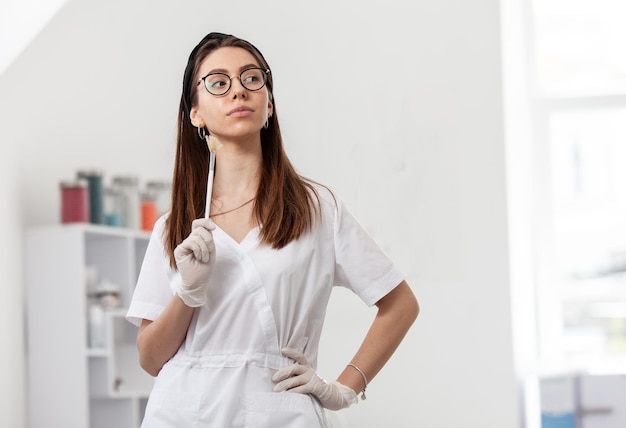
(218, 84)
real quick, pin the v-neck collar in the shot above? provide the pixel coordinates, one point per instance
(251, 238)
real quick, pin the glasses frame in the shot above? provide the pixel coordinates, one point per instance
(265, 73)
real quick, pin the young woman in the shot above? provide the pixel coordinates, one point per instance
(231, 308)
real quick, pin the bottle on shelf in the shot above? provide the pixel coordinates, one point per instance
(95, 182)
(128, 186)
(74, 201)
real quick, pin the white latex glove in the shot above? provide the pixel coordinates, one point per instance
(195, 257)
(301, 378)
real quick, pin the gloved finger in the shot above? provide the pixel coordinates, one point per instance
(297, 356)
(290, 383)
(207, 245)
(181, 251)
(185, 248)
(183, 258)
(205, 223)
(206, 236)
(306, 388)
(199, 248)
(289, 371)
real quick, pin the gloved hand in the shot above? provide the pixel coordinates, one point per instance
(195, 257)
(301, 378)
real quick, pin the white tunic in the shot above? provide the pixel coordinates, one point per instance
(260, 301)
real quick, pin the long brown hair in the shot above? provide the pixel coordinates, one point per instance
(286, 203)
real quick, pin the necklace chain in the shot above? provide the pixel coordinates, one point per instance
(233, 209)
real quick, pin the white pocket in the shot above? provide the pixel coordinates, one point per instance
(167, 409)
(284, 410)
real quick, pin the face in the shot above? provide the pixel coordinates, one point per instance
(240, 113)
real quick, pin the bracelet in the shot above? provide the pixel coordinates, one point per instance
(363, 397)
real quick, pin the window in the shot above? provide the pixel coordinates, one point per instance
(579, 46)
(578, 64)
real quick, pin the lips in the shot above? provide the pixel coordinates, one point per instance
(240, 111)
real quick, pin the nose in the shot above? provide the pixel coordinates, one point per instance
(237, 88)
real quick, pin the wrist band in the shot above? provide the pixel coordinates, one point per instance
(363, 397)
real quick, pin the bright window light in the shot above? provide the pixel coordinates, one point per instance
(580, 46)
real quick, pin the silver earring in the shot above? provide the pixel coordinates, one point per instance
(202, 133)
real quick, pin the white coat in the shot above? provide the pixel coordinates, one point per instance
(260, 301)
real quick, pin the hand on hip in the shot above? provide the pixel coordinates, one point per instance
(301, 378)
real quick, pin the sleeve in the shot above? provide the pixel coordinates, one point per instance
(152, 292)
(360, 264)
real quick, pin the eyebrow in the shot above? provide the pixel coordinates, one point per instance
(242, 68)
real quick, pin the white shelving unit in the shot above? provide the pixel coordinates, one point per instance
(71, 385)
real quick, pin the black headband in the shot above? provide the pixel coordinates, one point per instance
(189, 69)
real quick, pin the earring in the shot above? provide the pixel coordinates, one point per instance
(267, 122)
(202, 133)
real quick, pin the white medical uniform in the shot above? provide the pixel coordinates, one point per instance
(260, 300)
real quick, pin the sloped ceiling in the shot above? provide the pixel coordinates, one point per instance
(20, 22)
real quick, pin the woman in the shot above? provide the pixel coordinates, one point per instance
(231, 309)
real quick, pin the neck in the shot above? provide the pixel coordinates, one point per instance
(238, 171)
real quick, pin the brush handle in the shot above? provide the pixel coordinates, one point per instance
(209, 184)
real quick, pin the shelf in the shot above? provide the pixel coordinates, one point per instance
(98, 352)
(102, 387)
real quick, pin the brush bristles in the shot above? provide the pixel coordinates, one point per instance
(214, 144)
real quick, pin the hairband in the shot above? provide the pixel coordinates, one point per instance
(190, 65)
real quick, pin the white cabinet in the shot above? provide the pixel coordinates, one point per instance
(71, 385)
(583, 401)
(602, 401)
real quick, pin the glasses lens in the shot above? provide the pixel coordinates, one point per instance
(217, 84)
(253, 79)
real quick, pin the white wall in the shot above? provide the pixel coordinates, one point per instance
(420, 162)
(12, 393)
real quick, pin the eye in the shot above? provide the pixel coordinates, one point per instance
(217, 81)
(252, 76)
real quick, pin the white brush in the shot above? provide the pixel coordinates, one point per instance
(214, 146)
